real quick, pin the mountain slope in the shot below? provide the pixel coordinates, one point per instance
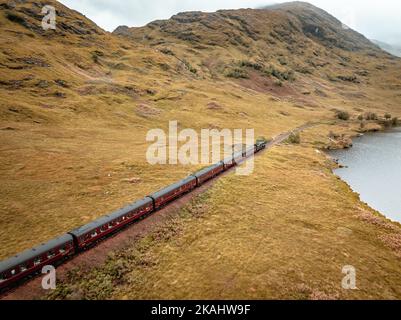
(294, 41)
(322, 27)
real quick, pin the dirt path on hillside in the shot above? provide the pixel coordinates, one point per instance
(96, 256)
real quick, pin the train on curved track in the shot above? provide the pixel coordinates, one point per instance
(61, 248)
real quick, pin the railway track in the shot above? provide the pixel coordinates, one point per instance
(31, 288)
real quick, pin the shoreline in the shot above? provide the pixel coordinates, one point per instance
(337, 165)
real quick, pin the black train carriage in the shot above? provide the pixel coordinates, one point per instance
(260, 145)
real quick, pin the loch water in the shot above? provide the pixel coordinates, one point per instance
(373, 169)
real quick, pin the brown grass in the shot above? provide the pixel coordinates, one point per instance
(284, 232)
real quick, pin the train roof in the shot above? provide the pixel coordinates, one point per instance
(172, 187)
(110, 217)
(238, 155)
(207, 169)
(228, 159)
(249, 149)
(34, 252)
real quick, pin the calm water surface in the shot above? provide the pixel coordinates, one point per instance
(374, 170)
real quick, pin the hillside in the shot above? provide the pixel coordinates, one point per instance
(76, 104)
(288, 49)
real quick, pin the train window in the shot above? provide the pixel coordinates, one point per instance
(13, 272)
(50, 254)
(2, 277)
(62, 249)
(94, 234)
(22, 268)
(37, 261)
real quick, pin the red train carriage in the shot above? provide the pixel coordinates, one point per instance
(33, 260)
(90, 233)
(229, 163)
(172, 192)
(208, 173)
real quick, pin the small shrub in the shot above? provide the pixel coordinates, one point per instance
(387, 116)
(267, 72)
(395, 122)
(15, 18)
(164, 66)
(371, 116)
(262, 140)
(282, 61)
(96, 55)
(343, 115)
(237, 74)
(280, 75)
(353, 79)
(189, 67)
(252, 65)
(304, 70)
(288, 75)
(167, 51)
(95, 58)
(360, 117)
(294, 138)
(276, 73)
(188, 36)
(387, 123)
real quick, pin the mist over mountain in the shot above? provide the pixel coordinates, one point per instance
(393, 49)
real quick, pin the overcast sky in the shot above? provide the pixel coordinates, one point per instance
(377, 19)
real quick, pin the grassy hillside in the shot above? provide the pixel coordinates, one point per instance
(76, 104)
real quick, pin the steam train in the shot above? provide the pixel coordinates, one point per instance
(59, 249)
